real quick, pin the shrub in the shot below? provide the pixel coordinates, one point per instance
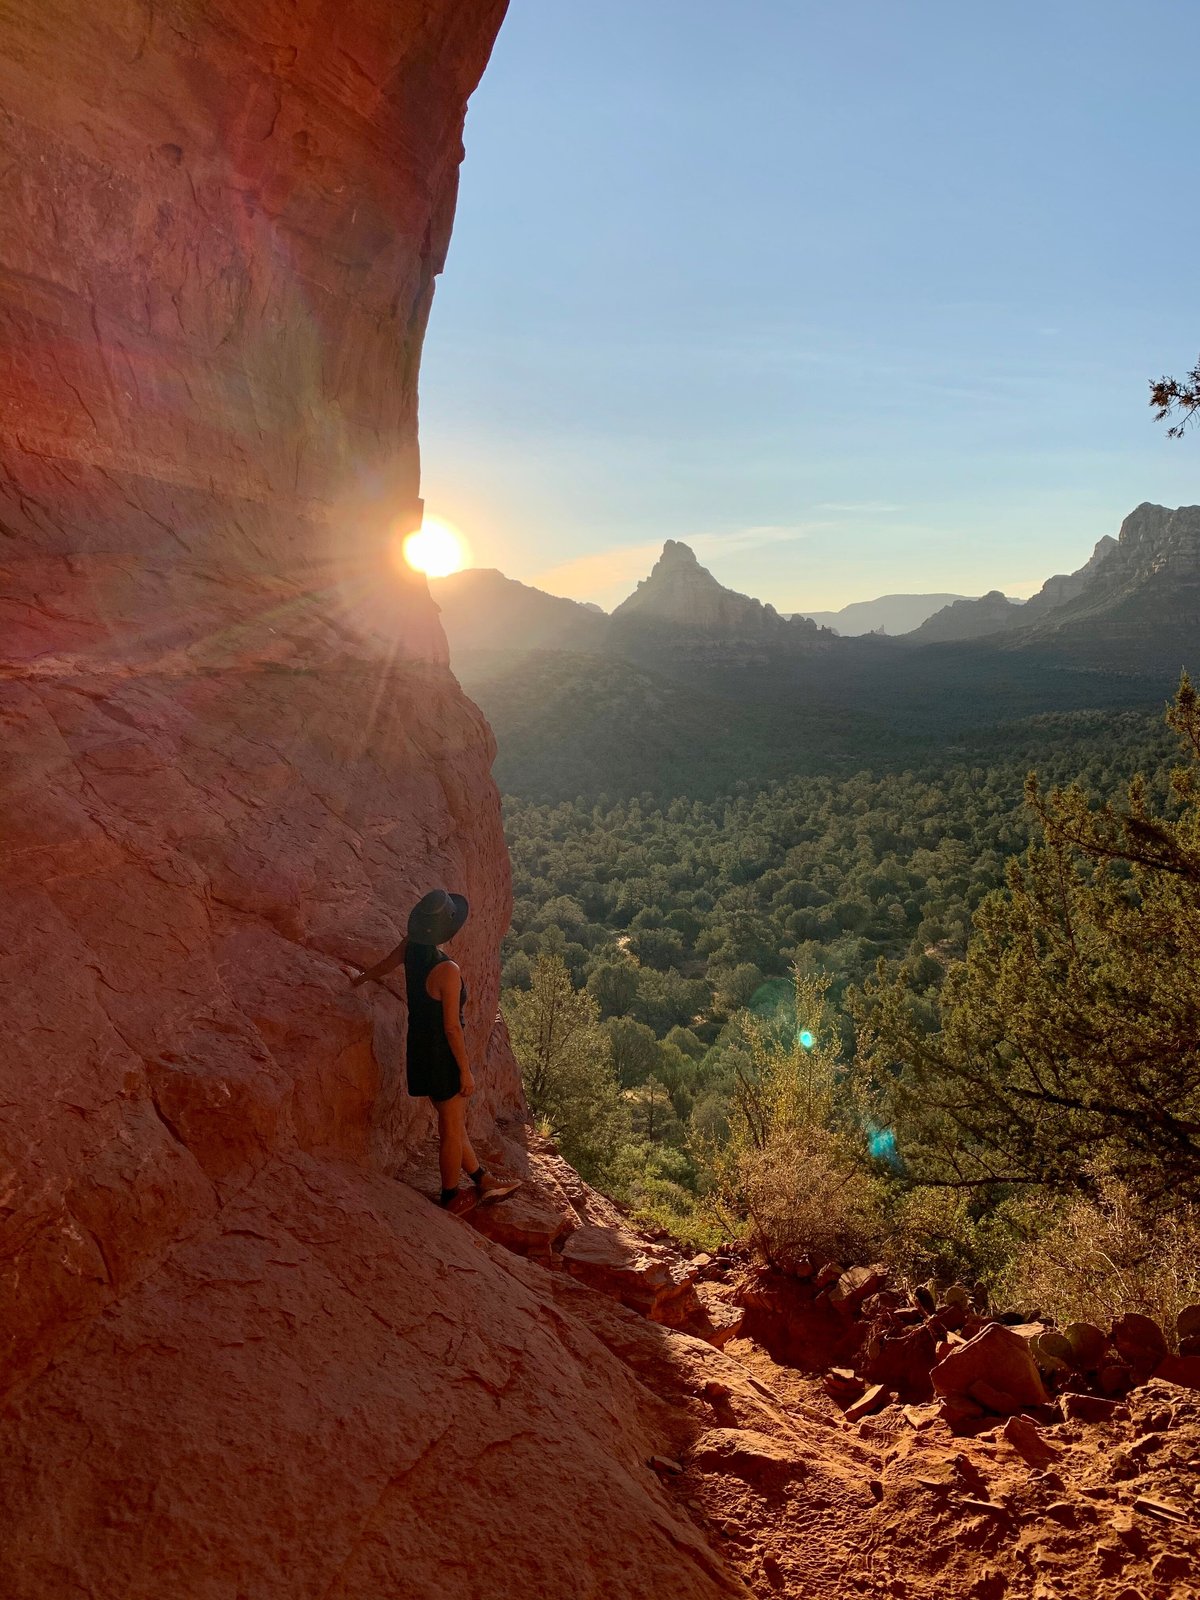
(932, 1234)
(806, 1197)
(1102, 1256)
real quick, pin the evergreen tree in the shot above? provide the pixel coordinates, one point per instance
(566, 1065)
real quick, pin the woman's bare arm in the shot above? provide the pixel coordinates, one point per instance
(382, 968)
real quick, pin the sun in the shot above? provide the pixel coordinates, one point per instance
(437, 548)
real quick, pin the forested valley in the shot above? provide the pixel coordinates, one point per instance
(803, 1011)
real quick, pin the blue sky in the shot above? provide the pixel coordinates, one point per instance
(853, 297)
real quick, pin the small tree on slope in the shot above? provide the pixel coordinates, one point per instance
(566, 1065)
(1068, 1042)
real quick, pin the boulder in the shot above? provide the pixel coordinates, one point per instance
(900, 1356)
(645, 1277)
(875, 1398)
(998, 1358)
(719, 1319)
(1183, 1370)
(1029, 1442)
(854, 1286)
(530, 1222)
(1139, 1341)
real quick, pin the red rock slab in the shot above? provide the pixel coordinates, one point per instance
(855, 1285)
(719, 1320)
(1029, 1442)
(997, 1357)
(284, 1404)
(644, 1277)
(530, 1222)
(1091, 1408)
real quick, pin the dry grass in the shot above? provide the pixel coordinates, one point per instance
(1101, 1257)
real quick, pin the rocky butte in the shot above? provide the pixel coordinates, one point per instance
(682, 608)
(243, 1357)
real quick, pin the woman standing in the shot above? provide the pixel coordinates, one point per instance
(437, 1048)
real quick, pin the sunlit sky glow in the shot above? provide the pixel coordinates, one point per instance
(437, 548)
(853, 299)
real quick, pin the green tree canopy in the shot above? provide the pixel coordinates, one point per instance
(1067, 1044)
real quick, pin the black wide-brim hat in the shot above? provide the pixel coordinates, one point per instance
(438, 916)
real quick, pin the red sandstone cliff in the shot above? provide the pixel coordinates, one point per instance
(239, 1357)
(232, 754)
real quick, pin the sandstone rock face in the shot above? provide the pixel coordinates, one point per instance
(232, 753)
(240, 1358)
(1140, 605)
(1065, 586)
(333, 1389)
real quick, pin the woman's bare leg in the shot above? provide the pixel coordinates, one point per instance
(455, 1154)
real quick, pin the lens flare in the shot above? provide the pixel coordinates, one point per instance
(805, 1039)
(881, 1142)
(437, 548)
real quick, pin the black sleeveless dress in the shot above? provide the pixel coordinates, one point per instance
(432, 1069)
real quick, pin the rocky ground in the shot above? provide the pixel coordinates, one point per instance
(807, 1480)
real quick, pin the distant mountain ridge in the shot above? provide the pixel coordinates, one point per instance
(891, 613)
(994, 613)
(692, 687)
(1140, 603)
(968, 619)
(1134, 602)
(483, 610)
(1058, 590)
(680, 609)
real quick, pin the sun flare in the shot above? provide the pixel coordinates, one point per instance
(436, 549)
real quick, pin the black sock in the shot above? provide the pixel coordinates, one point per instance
(476, 1177)
(448, 1195)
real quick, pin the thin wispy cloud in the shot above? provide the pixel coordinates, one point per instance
(874, 508)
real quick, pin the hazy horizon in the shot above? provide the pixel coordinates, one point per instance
(853, 302)
(944, 597)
